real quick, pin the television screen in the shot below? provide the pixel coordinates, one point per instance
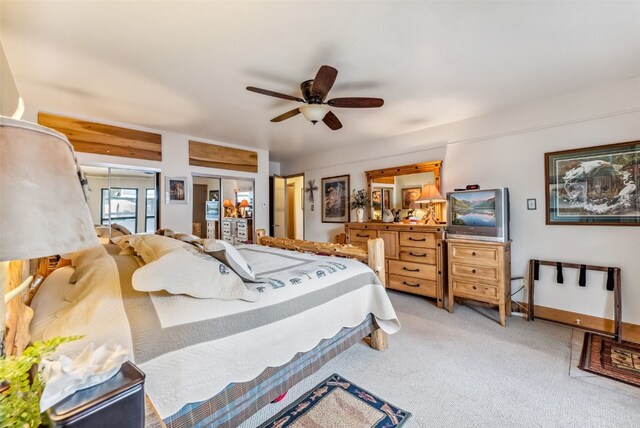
(473, 209)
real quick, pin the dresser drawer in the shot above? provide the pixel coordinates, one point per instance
(475, 290)
(418, 255)
(425, 287)
(362, 235)
(478, 271)
(414, 270)
(473, 254)
(228, 238)
(418, 239)
(242, 225)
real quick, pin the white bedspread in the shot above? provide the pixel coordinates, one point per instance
(202, 369)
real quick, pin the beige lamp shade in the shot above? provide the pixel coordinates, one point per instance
(430, 193)
(43, 210)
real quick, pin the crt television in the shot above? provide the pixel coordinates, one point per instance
(479, 214)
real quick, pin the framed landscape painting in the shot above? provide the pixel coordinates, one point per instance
(335, 199)
(594, 185)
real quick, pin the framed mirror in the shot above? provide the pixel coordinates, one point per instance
(398, 187)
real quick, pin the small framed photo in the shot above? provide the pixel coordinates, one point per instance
(531, 204)
(410, 194)
(335, 199)
(176, 190)
(214, 195)
(594, 186)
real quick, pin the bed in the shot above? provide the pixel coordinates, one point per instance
(215, 363)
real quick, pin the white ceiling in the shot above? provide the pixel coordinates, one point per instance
(183, 66)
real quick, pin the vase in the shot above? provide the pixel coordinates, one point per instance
(360, 215)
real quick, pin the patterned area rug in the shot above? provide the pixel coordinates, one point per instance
(336, 402)
(606, 357)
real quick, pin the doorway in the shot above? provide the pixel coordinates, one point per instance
(287, 215)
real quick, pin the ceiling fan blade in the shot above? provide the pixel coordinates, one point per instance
(356, 102)
(274, 94)
(287, 115)
(331, 120)
(324, 81)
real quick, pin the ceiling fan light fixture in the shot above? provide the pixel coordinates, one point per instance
(314, 112)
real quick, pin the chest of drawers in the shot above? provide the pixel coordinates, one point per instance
(480, 271)
(413, 255)
(237, 230)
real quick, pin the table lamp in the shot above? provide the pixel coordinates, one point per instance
(43, 210)
(243, 207)
(429, 195)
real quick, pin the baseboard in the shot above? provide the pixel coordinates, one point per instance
(630, 332)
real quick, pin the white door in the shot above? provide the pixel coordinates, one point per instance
(279, 207)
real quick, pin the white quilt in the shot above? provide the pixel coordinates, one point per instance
(203, 368)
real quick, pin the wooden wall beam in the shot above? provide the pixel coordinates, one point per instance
(91, 137)
(222, 157)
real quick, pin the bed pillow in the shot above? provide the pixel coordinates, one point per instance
(83, 260)
(149, 247)
(230, 256)
(188, 271)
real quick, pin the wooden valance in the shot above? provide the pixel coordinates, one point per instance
(222, 157)
(92, 137)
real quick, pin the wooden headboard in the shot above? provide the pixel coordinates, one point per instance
(19, 314)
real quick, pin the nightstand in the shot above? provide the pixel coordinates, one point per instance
(118, 402)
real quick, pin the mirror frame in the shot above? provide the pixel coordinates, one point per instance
(433, 166)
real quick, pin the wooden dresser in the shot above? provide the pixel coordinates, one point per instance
(480, 270)
(414, 256)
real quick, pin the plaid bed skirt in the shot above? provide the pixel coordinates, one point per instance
(239, 401)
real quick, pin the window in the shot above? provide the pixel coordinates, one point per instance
(150, 210)
(121, 205)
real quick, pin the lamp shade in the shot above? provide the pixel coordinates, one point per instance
(314, 112)
(430, 193)
(227, 203)
(43, 210)
(244, 203)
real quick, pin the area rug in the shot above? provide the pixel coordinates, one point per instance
(606, 357)
(337, 402)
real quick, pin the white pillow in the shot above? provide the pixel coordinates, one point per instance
(83, 260)
(188, 271)
(149, 247)
(230, 256)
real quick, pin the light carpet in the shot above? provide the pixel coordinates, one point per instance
(465, 370)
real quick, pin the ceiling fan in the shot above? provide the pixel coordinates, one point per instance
(314, 93)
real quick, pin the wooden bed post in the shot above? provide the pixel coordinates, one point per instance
(379, 339)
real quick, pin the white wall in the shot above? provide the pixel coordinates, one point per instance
(507, 149)
(10, 101)
(175, 163)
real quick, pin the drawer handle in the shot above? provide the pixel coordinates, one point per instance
(410, 270)
(473, 271)
(411, 238)
(417, 255)
(361, 236)
(473, 253)
(411, 285)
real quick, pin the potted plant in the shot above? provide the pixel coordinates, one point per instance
(21, 389)
(358, 201)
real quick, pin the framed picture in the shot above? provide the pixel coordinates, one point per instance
(214, 195)
(594, 185)
(176, 191)
(335, 199)
(376, 199)
(410, 194)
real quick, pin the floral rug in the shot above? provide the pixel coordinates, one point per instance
(336, 402)
(606, 357)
